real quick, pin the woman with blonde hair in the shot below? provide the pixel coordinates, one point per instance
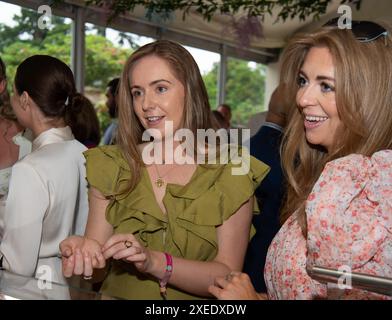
(13, 142)
(338, 160)
(9, 127)
(169, 228)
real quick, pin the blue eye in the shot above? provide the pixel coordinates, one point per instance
(301, 81)
(325, 87)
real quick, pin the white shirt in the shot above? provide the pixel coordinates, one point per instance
(47, 202)
(23, 140)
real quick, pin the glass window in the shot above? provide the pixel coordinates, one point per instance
(245, 86)
(208, 63)
(107, 50)
(22, 35)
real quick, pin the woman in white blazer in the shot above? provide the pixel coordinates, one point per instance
(47, 199)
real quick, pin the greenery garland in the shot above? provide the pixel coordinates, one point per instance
(208, 8)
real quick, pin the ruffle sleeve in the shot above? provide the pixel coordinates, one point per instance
(105, 166)
(194, 211)
(349, 215)
(211, 201)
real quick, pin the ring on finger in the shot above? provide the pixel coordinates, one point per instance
(87, 277)
(229, 277)
(127, 244)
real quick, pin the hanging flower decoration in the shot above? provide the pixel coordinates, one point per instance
(245, 28)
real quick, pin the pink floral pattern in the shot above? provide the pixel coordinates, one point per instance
(349, 216)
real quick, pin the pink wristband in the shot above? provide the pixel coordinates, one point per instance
(168, 271)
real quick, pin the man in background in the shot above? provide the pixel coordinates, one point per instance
(225, 111)
(265, 146)
(111, 103)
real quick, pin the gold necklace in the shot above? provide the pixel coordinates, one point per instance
(159, 182)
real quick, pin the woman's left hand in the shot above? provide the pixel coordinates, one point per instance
(128, 248)
(235, 286)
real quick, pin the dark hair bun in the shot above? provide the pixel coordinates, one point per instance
(75, 103)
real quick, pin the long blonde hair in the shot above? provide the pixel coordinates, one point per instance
(197, 111)
(363, 87)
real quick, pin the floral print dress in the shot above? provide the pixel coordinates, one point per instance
(349, 218)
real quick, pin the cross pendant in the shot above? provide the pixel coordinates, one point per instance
(159, 182)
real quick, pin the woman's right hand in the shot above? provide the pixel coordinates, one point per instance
(80, 255)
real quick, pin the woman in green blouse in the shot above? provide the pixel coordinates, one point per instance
(169, 228)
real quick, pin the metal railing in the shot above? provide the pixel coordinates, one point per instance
(381, 285)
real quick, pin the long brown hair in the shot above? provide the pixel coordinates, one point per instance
(363, 87)
(197, 111)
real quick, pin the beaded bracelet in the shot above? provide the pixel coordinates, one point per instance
(168, 271)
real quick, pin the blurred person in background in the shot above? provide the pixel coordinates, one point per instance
(225, 110)
(109, 136)
(14, 143)
(85, 124)
(265, 146)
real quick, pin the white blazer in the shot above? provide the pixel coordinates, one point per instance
(47, 202)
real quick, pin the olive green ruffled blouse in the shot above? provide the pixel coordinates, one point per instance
(194, 211)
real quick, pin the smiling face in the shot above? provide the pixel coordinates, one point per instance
(158, 96)
(316, 97)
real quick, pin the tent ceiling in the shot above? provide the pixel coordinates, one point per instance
(211, 35)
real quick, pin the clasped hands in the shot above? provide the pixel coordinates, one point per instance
(81, 255)
(235, 286)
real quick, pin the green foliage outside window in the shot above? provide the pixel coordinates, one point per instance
(244, 89)
(104, 60)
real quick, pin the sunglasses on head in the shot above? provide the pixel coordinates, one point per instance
(364, 31)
